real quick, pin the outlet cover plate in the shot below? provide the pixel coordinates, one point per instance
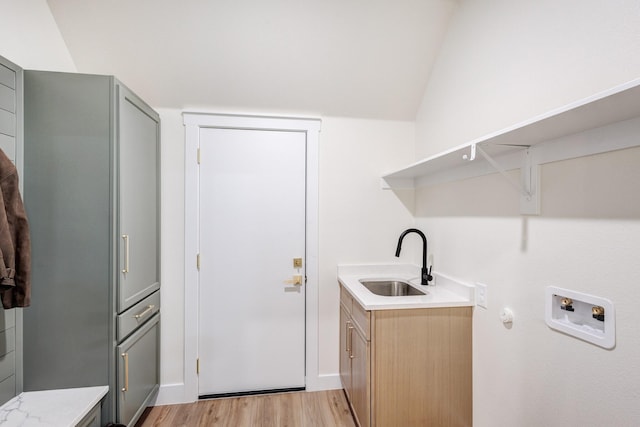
(481, 295)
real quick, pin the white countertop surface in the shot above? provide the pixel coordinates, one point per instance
(447, 291)
(51, 408)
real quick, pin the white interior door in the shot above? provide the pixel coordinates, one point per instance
(251, 227)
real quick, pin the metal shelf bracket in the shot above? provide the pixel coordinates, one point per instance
(529, 184)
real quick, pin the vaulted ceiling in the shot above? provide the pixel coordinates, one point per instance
(351, 58)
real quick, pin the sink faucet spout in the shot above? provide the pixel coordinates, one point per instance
(426, 273)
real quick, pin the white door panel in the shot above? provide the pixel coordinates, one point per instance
(252, 225)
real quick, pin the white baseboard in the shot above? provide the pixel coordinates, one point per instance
(173, 394)
(324, 382)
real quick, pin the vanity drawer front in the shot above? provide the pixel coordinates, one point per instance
(362, 319)
(137, 315)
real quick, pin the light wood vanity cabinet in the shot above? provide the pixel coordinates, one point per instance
(355, 357)
(406, 367)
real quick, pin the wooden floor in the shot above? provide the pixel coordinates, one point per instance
(301, 409)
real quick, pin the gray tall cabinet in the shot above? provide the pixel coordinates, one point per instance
(91, 160)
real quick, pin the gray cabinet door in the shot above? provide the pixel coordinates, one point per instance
(138, 136)
(138, 371)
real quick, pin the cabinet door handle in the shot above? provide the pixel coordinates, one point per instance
(126, 253)
(146, 311)
(346, 337)
(125, 356)
(351, 356)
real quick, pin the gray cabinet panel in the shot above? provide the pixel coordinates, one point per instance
(75, 194)
(8, 145)
(7, 123)
(7, 341)
(7, 389)
(67, 328)
(139, 375)
(7, 99)
(7, 318)
(7, 76)
(7, 365)
(138, 170)
(7, 353)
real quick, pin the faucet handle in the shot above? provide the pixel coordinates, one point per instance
(426, 275)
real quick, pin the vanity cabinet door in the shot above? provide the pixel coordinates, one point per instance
(345, 350)
(138, 370)
(355, 357)
(360, 377)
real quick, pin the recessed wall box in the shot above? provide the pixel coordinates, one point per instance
(591, 318)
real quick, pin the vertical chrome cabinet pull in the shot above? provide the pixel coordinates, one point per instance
(126, 371)
(126, 253)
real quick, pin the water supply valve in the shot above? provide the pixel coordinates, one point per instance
(597, 313)
(566, 304)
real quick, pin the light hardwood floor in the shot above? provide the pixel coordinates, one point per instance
(302, 409)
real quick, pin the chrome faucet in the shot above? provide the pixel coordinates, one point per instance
(426, 274)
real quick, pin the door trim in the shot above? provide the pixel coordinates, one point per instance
(193, 122)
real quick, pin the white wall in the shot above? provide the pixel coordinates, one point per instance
(354, 222)
(30, 37)
(504, 61)
(359, 223)
(172, 255)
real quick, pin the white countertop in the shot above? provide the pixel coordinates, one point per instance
(447, 291)
(51, 408)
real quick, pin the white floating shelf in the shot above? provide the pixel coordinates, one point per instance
(603, 122)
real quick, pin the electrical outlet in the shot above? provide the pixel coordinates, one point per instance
(481, 295)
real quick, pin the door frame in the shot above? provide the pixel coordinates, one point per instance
(193, 122)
